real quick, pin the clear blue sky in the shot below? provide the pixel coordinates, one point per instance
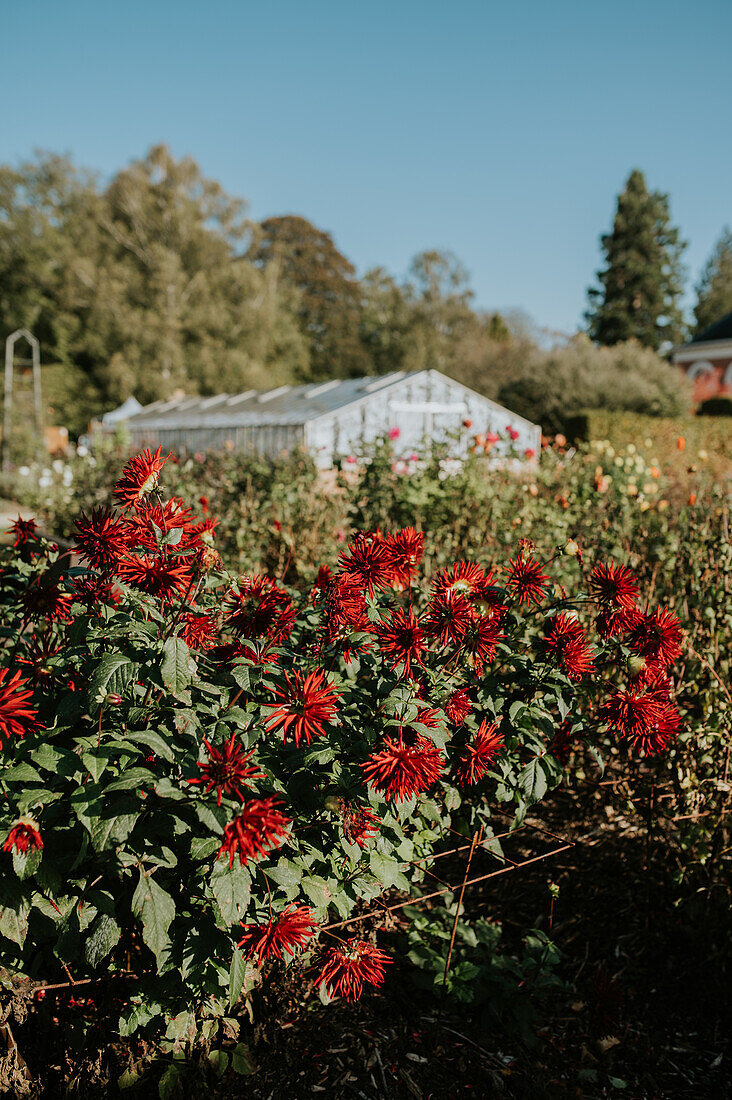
(500, 131)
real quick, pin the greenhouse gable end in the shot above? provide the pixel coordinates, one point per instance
(333, 420)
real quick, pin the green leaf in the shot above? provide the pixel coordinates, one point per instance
(219, 1059)
(103, 937)
(242, 675)
(231, 888)
(95, 763)
(133, 777)
(286, 874)
(532, 780)
(154, 741)
(177, 666)
(203, 846)
(237, 973)
(168, 1082)
(14, 924)
(241, 1060)
(112, 674)
(26, 864)
(156, 909)
(387, 871)
(21, 773)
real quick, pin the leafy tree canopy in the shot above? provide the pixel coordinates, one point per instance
(714, 289)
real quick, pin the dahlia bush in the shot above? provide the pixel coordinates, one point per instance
(202, 773)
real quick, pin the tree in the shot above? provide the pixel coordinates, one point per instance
(306, 259)
(386, 319)
(714, 289)
(642, 279)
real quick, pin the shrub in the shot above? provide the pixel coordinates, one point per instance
(583, 376)
(202, 772)
(715, 406)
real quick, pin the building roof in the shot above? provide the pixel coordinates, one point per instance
(285, 405)
(720, 330)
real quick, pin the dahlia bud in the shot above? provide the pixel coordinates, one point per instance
(571, 548)
(113, 699)
(208, 558)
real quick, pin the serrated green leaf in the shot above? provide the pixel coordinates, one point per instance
(177, 666)
(112, 674)
(103, 937)
(156, 909)
(231, 888)
(237, 973)
(132, 778)
(532, 780)
(154, 741)
(14, 924)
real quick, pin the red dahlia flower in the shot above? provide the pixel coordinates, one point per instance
(139, 477)
(458, 707)
(307, 705)
(401, 640)
(16, 717)
(164, 578)
(35, 659)
(259, 827)
(257, 607)
(566, 646)
(351, 964)
(401, 770)
(480, 641)
(643, 716)
(101, 539)
(322, 583)
(405, 549)
(226, 770)
(152, 522)
(291, 929)
(611, 621)
(368, 561)
(525, 579)
(480, 752)
(614, 584)
(198, 631)
(359, 824)
(44, 599)
(24, 836)
(448, 617)
(657, 636)
(25, 530)
(462, 578)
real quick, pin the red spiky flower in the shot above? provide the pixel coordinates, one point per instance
(322, 583)
(525, 579)
(614, 584)
(566, 646)
(257, 607)
(644, 715)
(349, 966)
(401, 770)
(481, 639)
(259, 827)
(139, 477)
(198, 631)
(401, 640)
(405, 548)
(226, 770)
(290, 929)
(16, 717)
(36, 657)
(164, 578)
(479, 753)
(307, 704)
(458, 707)
(359, 824)
(448, 618)
(368, 561)
(656, 635)
(23, 837)
(25, 530)
(44, 598)
(462, 578)
(101, 538)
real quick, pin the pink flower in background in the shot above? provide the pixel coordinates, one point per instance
(414, 457)
(492, 437)
(512, 433)
(394, 433)
(529, 452)
(351, 459)
(341, 535)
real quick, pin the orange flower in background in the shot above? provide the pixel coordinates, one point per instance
(560, 440)
(692, 498)
(655, 472)
(680, 443)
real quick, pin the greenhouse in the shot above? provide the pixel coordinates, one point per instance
(336, 419)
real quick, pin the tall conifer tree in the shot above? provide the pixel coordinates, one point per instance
(714, 289)
(642, 279)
